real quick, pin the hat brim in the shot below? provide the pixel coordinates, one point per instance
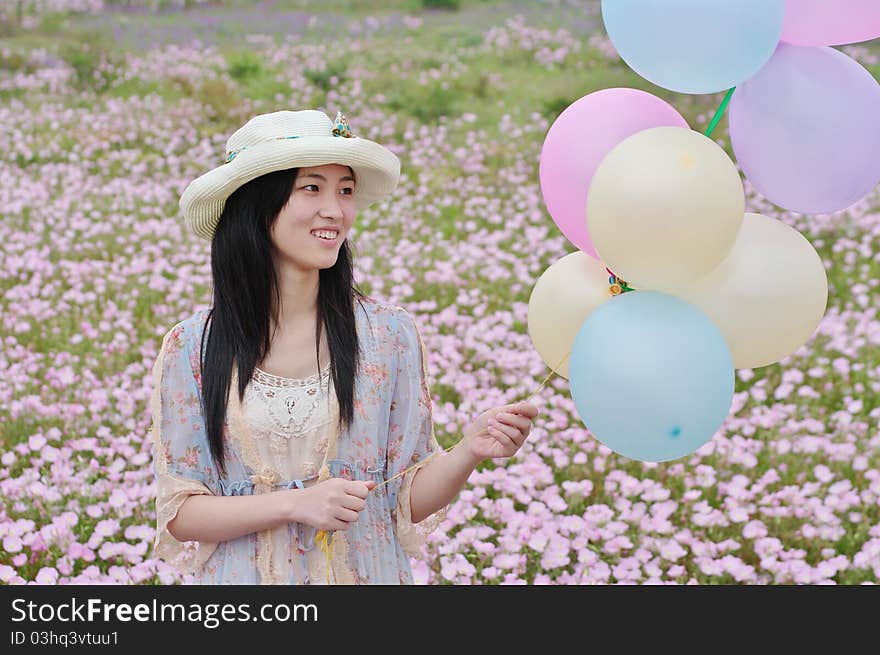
(376, 170)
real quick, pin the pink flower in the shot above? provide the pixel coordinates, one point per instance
(513, 579)
(36, 441)
(6, 573)
(676, 571)
(47, 576)
(823, 473)
(538, 542)
(556, 556)
(490, 572)
(671, 550)
(64, 565)
(738, 514)
(77, 551)
(754, 529)
(421, 571)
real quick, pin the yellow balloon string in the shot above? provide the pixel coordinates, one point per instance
(324, 539)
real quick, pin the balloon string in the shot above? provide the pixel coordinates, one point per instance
(450, 449)
(720, 111)
(623, 286)
(324, 539)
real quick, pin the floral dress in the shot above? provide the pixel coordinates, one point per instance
(284, 435)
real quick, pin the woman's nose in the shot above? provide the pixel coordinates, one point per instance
(332, 208)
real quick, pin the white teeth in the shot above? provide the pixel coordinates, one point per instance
(325, 234)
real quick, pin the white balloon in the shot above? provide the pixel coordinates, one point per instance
(768, 295)
(664, 207)
(562, 298)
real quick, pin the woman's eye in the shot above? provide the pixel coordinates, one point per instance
(348, 190)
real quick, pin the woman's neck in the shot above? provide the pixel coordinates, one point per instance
(298, 291)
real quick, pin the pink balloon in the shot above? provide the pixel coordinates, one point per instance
(830, 22)
(578, 141)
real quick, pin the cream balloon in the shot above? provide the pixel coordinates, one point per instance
(768, 296)
(664, 207)
(562, 298)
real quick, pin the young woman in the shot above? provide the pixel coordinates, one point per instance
(297, 406)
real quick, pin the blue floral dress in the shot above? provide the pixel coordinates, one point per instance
(392, 429)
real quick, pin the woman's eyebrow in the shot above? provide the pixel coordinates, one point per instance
(321, 177)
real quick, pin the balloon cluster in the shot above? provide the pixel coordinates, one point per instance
(653, 204)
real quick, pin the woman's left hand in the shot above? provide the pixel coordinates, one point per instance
(500, 431)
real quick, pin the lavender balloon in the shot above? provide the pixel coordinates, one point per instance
(806, 129)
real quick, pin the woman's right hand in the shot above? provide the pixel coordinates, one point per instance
(333, 504)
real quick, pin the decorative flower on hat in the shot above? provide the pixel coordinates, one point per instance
(342, 127)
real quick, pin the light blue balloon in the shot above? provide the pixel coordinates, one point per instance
(694, 46)
(651, 376)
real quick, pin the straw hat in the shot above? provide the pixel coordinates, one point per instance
(288, 139)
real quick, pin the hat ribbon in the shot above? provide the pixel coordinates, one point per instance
(230, 156)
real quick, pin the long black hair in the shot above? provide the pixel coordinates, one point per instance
(245, 283)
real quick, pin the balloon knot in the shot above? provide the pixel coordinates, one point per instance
(617, 285)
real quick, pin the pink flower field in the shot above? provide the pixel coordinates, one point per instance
(105, 123)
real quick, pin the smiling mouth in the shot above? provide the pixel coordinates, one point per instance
(326, 235)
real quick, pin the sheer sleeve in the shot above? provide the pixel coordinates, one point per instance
(181, 456)
(411, 434)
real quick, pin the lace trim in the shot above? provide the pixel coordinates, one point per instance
(263, 481)
(273, 380)
(288, 413)
(412, 536)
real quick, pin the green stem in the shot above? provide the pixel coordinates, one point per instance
(720, 111)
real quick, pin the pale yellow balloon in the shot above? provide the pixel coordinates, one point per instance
(664, 207)
(562, 298)
(768, 296)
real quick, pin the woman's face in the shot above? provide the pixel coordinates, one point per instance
(322, 202)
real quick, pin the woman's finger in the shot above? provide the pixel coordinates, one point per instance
(358, 488)
(529, 410)
(519, 422)
(345, 514)
(504, 434)
(516, 434)
(354, 503)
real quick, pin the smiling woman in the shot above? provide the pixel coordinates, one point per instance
(260, 446)
(323, 203)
